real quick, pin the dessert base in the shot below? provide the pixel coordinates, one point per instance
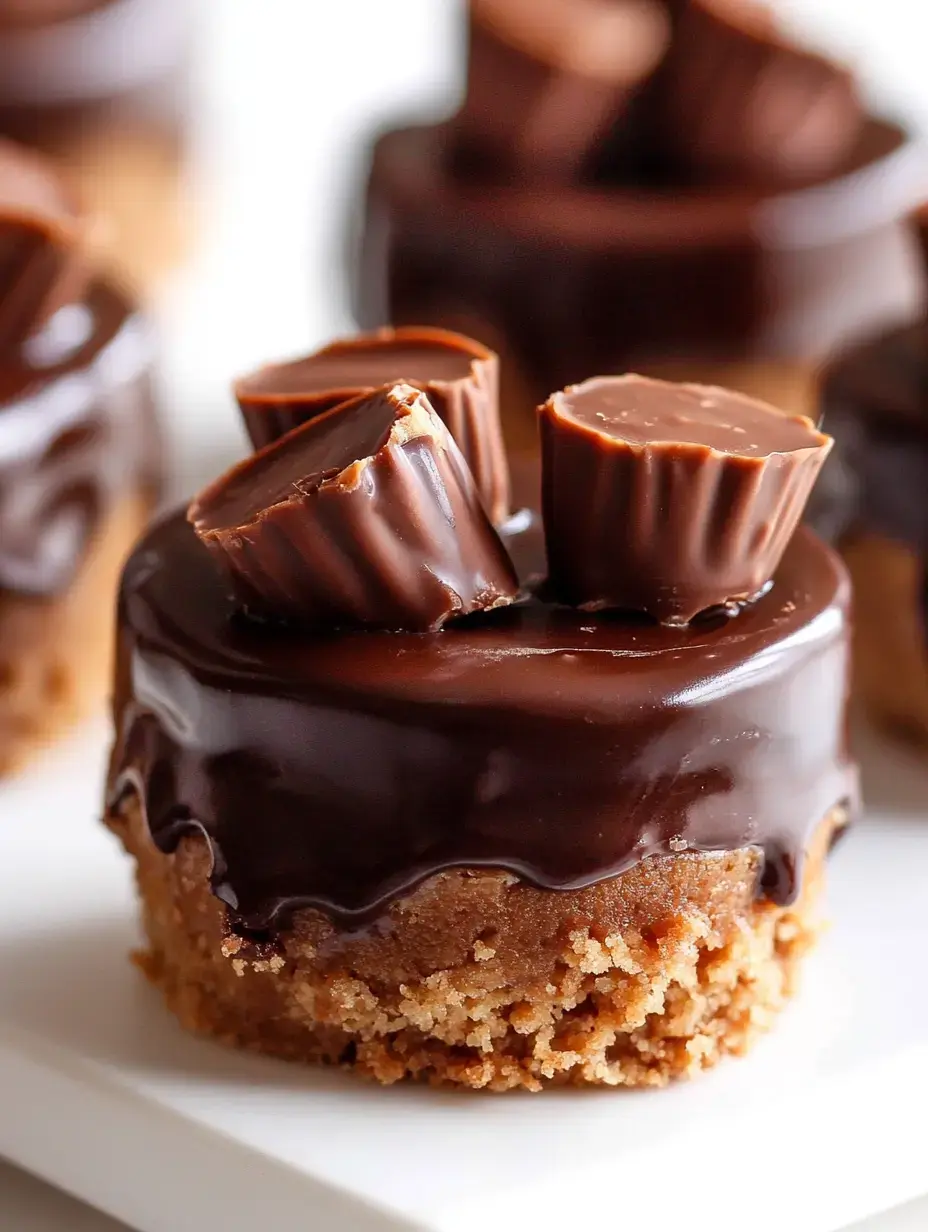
(890, 633)
(56, 654)
(486, 982)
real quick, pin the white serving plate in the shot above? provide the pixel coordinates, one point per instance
(103, 1095)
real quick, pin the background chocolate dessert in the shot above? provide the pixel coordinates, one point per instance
(739, 217)
(80, 461)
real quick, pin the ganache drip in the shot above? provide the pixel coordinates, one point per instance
(339, 771)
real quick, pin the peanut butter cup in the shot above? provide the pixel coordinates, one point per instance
(459, 375)
(537, 846)
(366, 515)
(43, 261)
(747, 104)
(669, 499)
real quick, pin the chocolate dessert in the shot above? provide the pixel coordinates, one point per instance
(475, 834)
(874, 502)
(78, 455)
(101, 85)
(721, 209)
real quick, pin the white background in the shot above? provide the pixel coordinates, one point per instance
(288, 89)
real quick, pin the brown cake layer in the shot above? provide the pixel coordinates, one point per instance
(480, 980)
(56, 652)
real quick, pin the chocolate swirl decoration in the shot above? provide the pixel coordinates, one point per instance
(77, 428)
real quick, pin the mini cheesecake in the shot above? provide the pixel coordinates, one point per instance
(392, 808)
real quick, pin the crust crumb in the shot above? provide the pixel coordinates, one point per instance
(652, 976)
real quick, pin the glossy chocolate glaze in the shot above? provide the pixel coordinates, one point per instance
(77, 429)
(875, 403)
(628, 275)
(338, 771)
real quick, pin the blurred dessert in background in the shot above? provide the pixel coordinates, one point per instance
(873, 501)
(79, 453)
(102, 85)
(682, 190)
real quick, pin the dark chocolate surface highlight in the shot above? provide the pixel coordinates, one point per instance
(339, 771)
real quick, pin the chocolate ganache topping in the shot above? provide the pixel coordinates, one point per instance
(337, 769)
